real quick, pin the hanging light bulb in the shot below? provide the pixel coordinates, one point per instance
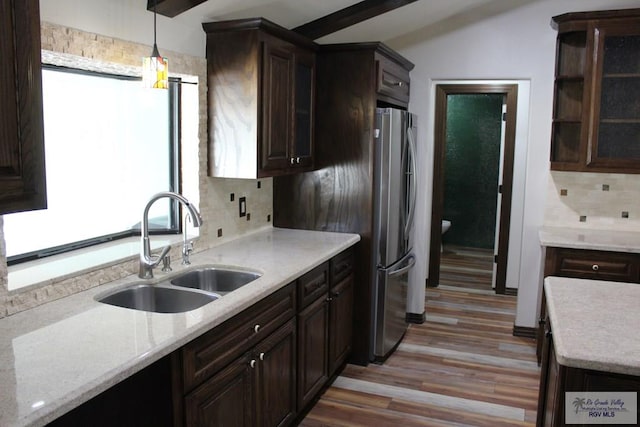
(155, 68)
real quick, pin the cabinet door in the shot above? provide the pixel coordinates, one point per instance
(313, 367)
(22, 171)
(277, 104)
(305, 77)
(616, 128)
(226, 399)
(276, 374)
(340, 323)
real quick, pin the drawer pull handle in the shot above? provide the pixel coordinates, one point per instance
(261, 356)
(292, 160)
(595, 267)
(252, 363)
(392, 83)
(256, 328)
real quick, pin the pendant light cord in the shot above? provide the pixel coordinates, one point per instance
(155, 53)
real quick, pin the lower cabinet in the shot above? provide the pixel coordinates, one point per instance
(267, 365)
(556, 380)
(324, 324)
(257, 389)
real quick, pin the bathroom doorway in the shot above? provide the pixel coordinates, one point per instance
(473, 172)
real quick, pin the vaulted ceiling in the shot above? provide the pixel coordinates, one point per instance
(334, 21)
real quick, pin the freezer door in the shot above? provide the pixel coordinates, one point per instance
(392, 301)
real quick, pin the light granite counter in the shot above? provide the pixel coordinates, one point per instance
(595, 324)
(601, 240)
(59, 355)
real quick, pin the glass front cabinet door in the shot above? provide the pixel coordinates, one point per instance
(596, 119)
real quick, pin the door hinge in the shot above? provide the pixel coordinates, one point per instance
(500, 189)
(495, 259)
(504, 117)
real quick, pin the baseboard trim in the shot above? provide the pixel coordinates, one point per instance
(511, 291)
(417, 318)
(524, 331)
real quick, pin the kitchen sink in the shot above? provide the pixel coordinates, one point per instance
(157, 298)
(215, 279)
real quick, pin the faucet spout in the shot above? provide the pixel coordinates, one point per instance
(148, 261)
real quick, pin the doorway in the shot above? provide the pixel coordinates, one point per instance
(479, 204)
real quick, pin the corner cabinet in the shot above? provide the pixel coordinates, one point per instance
(22, 168)
(596, 116)
(261, 81)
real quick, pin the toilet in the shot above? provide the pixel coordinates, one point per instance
(446, 224)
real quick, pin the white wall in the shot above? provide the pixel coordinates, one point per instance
(516, 45)
(127, 20)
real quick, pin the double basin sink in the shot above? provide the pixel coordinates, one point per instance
(184, 292)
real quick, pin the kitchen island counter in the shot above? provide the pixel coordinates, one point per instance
(61, 354)
(595, 324)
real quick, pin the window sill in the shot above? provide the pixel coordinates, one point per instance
(42, 272)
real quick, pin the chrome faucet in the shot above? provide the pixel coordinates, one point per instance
(148, 261)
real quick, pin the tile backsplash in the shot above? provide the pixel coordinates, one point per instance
(604, 201)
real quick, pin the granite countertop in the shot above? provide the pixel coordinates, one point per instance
(595, 324)
(59, 355)
(583, 238)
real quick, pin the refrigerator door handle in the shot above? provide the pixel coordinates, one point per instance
(411, 261)
(414, 182)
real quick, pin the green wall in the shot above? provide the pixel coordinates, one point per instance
(472, 159)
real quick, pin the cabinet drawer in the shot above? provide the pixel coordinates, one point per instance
(313, 285)
(215, 349)
(341, 266)
(598, 265)
(392, 79)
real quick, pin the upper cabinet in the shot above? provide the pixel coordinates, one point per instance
(22, 170)
(596, 119)
(261, 80)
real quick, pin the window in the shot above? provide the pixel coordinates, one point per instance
(109, 146)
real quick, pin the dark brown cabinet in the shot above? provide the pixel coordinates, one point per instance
(261, 80)
(324, 324)
(353, 79)
(586, 264)
(22, 168)
(341, 310)
(556, 380)
(243, 372)
(596, 119)
(267, 364)
(257, 389)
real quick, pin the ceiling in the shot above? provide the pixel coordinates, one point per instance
(422, 16)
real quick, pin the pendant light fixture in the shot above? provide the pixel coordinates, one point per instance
(155, 68)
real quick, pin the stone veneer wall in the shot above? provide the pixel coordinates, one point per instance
(218, 212)
(604, 201)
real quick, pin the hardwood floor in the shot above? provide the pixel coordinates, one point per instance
(466, 267)
(462, 367)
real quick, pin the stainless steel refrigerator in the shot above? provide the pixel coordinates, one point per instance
(395, 183)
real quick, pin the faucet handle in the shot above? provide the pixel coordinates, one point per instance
(187, 248)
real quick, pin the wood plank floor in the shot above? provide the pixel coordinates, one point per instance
(466, 267)
(462, 367)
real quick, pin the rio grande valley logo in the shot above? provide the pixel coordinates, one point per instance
(601, 408)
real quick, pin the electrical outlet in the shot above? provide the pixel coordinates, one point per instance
(242, 206)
